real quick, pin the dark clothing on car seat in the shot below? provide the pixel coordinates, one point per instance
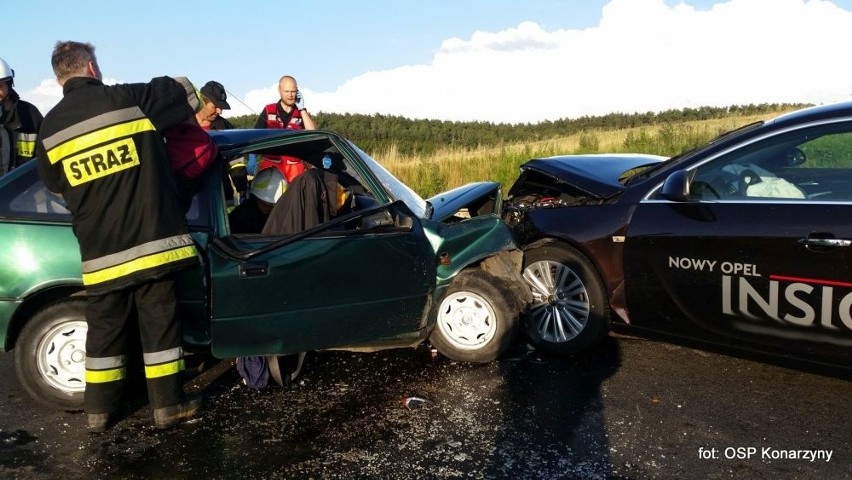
(247, 218)
(309, 200)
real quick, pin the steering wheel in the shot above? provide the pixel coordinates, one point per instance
(725, 185)
(699, 188)
(747, 179)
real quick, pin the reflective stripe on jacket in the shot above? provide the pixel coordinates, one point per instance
(101, 148)
(21, 120)
(25, 144)
(274, 117)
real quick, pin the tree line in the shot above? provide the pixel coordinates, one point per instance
(379, 132)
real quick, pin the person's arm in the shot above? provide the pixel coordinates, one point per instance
(49, 176)
(34, 117)
(30, 123)
(239, 175)
(307, 121)
(165, 101)
(261, 119)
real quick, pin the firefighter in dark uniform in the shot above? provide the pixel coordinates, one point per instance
(19, 123)
(100, 147)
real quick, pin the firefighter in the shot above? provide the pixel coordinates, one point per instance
(288, 113)
(19, 123)
(101, 148)
(251, 215)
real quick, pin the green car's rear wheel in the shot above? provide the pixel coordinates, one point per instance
(50, 355)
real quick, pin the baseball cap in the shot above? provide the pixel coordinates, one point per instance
(215, 92)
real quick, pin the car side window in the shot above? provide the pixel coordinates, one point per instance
(27, 197)
(301, 204)
(809, 164)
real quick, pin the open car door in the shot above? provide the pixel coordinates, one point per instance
(363, 277)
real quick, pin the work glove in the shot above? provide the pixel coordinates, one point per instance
(300, 101)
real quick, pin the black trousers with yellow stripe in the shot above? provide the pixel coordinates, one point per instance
(109, 317)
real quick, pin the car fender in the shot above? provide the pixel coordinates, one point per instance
(481, 242)
(19, 311)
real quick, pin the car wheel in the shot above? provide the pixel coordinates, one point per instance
(569, 311)
(477, 319)
(50, 355)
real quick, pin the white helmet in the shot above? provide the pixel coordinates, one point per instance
(6, 72)
(268, 185)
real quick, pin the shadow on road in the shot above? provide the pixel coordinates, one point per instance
(524, 416)
(553, 424)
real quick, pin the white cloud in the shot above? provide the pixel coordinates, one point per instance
(642, 56)
(48, 93)
(44, 96)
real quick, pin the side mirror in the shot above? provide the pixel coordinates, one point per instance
(676, 187)
(794, 157)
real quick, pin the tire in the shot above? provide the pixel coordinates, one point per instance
(50, 355)
(477, 320)
(569, 312)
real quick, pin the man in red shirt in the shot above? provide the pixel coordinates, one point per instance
(289, 112)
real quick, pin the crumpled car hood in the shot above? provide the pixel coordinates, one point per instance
(595, 174)
(447, 203)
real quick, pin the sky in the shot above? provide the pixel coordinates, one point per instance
(494, 61)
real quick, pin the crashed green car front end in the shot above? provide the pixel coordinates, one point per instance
(458, 245)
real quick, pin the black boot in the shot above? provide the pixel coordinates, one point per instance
(167, 417)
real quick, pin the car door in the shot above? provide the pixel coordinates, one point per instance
(766, 266)
(364, 277)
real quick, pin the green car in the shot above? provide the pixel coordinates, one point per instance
(394, 271)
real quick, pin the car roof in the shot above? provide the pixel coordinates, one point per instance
(239, 138)
(805, 115)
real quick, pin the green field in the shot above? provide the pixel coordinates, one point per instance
(446, 168)
(432, 156)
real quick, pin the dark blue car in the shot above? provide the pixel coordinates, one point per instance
(745, 241)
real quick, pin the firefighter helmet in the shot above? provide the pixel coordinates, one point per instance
(6, 72)
(268, 185)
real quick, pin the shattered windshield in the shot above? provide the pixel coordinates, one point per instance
(396, 189)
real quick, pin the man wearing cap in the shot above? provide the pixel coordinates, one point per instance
(215, 100)
(210, 118)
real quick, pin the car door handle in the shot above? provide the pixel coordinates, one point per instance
(252, 269)
(825, 242)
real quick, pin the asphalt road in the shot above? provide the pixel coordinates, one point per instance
(632, 408)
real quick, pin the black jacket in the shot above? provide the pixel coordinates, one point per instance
(22, 120)
(247, 217)
(309, 200)
(101, 148)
